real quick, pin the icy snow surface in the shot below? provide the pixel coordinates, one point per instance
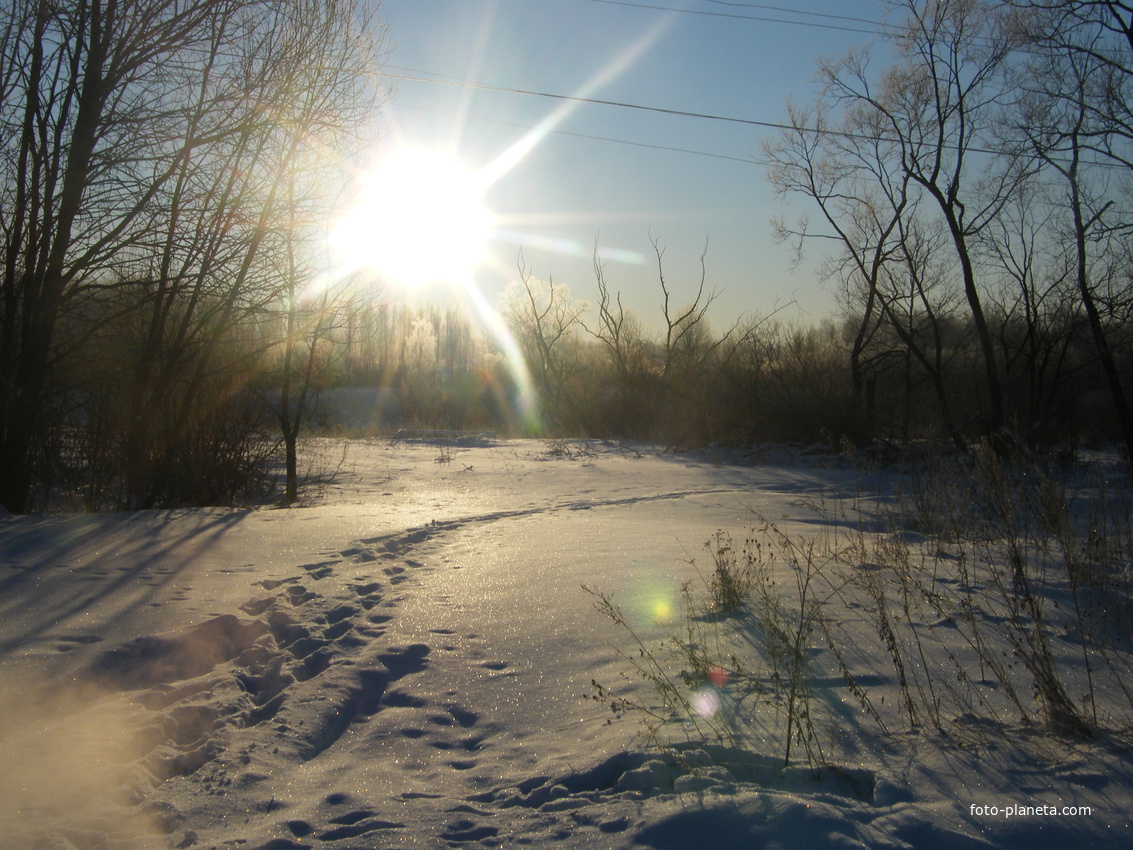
(406, 661)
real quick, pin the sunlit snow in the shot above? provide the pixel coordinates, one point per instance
(407, 661)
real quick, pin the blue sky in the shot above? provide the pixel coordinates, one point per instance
(569, 191)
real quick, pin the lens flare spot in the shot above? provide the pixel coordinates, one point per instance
(706, 703)
(662, 610)
(717, 675)
(655, 601)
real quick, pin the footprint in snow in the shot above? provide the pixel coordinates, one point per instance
(66, 643)
(321, 570)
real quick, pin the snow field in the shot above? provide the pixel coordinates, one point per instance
(407, 662)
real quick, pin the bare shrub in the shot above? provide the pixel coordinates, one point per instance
(743, 657)
(1013, 614)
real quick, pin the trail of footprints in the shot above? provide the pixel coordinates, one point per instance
(235, 695)
(238, 698)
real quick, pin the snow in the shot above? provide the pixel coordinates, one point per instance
(407, 659)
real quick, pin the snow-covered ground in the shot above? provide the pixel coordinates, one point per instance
(406, 661)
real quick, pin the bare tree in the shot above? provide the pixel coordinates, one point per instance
(1076, 112)
(917, 301)
(920, 135)
(618, 330)
(328, 47)
(849, 170)
(1093, 41)
(626, 349)
(543, 316)
(687, 341)
(1040, 316)
(142, 142)
(90, 89)
(942, 103)
(686, 370)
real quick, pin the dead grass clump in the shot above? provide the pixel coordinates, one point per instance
(994, 594)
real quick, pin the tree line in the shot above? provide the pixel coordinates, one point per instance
(967, 182)
(979, 180)
(970, 193)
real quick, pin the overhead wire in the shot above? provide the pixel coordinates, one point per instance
(473, 84)
(770, 125)
(744, 160)
(789, 11)
(876, 27)
(880, 28)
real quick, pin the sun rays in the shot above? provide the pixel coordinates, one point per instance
(419, 218)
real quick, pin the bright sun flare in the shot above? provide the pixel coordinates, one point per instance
(418, 218)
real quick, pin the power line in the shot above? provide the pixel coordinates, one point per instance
(706, 116)
(801, 12)
(437, 79)
(872, 27)
(771, 125)
(876, 27)
(744, 160)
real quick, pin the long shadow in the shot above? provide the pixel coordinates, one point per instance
(80, 561)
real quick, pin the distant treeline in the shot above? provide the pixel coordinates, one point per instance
(759, 380)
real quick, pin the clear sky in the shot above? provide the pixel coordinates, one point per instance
(554, 194)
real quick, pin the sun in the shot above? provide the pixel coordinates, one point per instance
(417, 218)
